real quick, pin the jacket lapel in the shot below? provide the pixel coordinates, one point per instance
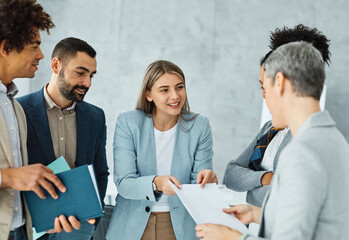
(22, 130)
(5, 141)
(283, 144)
(83, 129)
(38, 117)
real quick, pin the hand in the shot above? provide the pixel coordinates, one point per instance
(245, 213)
(162, 184)
(61, 223)
(32, 178)
(266, 179)
(206, 176)
(216, 232)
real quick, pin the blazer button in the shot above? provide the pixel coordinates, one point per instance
(147, 209)
(147, 197)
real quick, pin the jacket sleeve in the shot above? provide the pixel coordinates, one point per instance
(238, 176)
(204, 153)
(257, 195)
(129, 183)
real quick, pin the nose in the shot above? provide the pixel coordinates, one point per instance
(39, 55)
(87, 82)
(174, 94)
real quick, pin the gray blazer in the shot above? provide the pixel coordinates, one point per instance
(239, 177)
(310, 189)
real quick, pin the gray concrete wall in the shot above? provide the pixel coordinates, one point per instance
(218, 45)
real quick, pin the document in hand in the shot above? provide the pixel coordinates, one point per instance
(205, 205)
(80, 200)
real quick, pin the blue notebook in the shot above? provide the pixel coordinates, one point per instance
(80, 200)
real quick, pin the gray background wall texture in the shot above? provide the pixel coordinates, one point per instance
(218, 45)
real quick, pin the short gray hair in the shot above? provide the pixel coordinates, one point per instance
(301, 64)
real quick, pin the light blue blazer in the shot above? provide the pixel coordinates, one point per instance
(135, 169)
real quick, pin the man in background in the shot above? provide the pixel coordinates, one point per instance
(60, 123)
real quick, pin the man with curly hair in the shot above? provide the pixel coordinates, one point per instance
(253, 170)
(20, 23)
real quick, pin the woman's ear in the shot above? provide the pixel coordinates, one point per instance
(280, 83)
(148, 96)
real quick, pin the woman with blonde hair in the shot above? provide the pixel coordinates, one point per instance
(159, 142)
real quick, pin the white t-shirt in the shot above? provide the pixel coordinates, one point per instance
(270, 152)
(164, 145)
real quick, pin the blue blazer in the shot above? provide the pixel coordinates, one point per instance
(91, 136)
(135, 169)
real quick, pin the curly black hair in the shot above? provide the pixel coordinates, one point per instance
(18, 21)
(300, 32)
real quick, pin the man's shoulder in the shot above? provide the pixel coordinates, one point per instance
(91, 108)
(29, 99)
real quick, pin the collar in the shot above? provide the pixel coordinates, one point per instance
(11, 90)
(318, 119)
(51, 104)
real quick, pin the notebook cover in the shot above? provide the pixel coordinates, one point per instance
(80, 200)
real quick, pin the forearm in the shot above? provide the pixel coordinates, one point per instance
(136, 188)
(240, 178)
(5, 179)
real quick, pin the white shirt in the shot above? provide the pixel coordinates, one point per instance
(270, 152)
(164, 145)
(8, 113)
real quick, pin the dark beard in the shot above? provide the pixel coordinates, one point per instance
(67, 91)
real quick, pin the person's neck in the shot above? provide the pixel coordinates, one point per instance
(301, 109)
(164, 123)
(5, 78)
(56, 96)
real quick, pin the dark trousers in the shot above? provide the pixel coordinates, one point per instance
(18, 234)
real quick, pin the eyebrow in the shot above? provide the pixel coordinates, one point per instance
(36, 42)
(85, 69)
(169, 86)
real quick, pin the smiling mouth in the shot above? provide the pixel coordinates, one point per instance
(81, 91)
(174, 104)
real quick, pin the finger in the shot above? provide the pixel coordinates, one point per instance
(205, 180)
(175, 182)
(55, 180)
(47, 169)
(91, 221)
(229, 210)
(198, 227)
(65, 224)
(49, 188)
(199, 177)
(39, 192)
(214, 178)
(74, 222)
(58, 228)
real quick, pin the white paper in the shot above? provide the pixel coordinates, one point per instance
(93, 177)
(205, 205)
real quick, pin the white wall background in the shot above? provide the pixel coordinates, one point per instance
(217, 43)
